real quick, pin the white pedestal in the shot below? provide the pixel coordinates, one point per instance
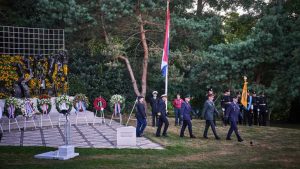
(63, 153)
(126, 136)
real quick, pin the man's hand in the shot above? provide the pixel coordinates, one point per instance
(158, 113)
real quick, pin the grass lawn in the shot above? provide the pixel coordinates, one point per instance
(274, 147)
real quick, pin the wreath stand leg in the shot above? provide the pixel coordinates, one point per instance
(112, 116)
(102, 118)
(10, 123)
(62, 119)
(77, 117)
(49, 119)
(131, 112)
(1, 128)
(27, 121)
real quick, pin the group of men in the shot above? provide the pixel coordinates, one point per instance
(255, 113)
(182, 109)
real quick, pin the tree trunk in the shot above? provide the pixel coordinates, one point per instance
(200, 5)
(134, 84)
(146, 55)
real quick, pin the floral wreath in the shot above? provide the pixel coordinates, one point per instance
(31, 110)
(44, 104)
(12, 107)
(60, 100)
(100, 103)
(80, 97)
(115, 99)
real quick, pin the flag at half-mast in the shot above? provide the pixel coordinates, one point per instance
(165, 56)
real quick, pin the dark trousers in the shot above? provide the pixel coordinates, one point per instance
(233, 127)
(154, 119)
(178, 119)
(162, 120)
(255, 116)
(186, 123)
(141, 124)
(210, 123)
(248, 117)
(262, 118)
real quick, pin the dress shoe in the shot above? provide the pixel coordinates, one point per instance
(218, 138)
(192, 136)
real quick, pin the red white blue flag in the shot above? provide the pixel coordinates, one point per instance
(165, 56)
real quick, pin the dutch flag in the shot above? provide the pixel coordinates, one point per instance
(164, 60)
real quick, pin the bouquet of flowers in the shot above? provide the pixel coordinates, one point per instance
(63, 100)
(81, 102)
(44, 104)
(13, 107)
(117, 103)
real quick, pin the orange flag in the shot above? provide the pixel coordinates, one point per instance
(244, 93)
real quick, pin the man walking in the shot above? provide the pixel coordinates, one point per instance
(233, 112)
(162, 116)
(185, 111)
(208, 114)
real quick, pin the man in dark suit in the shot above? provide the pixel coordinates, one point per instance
(162, 116)
(233, 112)
(208, 113)
(140, 117)
(185, 111)
(225, 101)
(263, 110)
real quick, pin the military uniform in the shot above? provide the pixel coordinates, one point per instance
(225, 101)
(208, 112)
(248, 118)
(241, 117)
(154, 107)
(162, 118)
(254, 107)
(263, 110)
(233, 112)
(185, 110)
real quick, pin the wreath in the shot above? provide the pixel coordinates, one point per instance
(44, 104)
(12, 107)
(80, 98)
(59, 102)
(117, 99)
(100, 103)
(27, 108)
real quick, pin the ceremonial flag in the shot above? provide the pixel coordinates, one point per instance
(244, 93)
(164, 60)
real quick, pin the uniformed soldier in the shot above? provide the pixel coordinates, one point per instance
(208, 112)
(263, 110)
(248, 111)
(185, 110)
(233, 112)
(141, 117)
(241, 117)
(162, 116)
(225, 101)
(154, 106)
(254, 107)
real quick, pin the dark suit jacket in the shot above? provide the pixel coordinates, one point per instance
(209, 110)
(162, 108)
(140, 111)
(185, 110)
(233, 112)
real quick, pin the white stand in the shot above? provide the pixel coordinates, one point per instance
(29, 121)
(120, 117)
(82, 117)
(1, 126)
(42, 119)
(102, 118)
(126, 136)
(10, 123)
(64, 152)
(62, 118)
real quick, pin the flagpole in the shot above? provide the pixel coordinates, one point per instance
(167, 71)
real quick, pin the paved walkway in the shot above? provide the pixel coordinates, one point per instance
(83, 135)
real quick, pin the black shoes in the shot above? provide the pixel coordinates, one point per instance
(218, 138)
(165, 135)
(228, 138)
(205, 137)
(192, 136)
(240, 140)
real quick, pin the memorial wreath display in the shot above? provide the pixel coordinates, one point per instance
(44, 104)
(63, 104)
(80, 102)
(13, 106)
